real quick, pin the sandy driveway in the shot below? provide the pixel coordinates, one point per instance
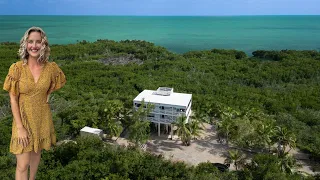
(206, 148)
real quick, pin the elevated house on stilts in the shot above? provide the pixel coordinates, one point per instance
(168, 106)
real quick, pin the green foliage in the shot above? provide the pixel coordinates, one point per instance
(66, 153)
(286, 54)
(236, 157)
(283, 86)
(7, 160)
(5, 135)
(109, 117)
(183, 130)
(139, 129)
(92, 160)
(195, 126)
(285, 140)
(266, 166)
(216, 53)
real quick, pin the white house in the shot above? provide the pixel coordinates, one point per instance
(168, 105)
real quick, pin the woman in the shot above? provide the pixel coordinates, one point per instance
(29, 83)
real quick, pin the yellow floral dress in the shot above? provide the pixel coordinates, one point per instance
(34, 109)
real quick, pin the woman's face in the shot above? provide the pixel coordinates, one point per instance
(34, 44)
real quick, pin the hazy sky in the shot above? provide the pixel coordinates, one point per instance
(160, 7)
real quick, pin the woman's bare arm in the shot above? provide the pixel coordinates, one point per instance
(22, 132)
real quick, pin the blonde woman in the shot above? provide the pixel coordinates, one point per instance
(29, 83)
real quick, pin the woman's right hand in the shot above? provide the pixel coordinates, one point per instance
(23, 137)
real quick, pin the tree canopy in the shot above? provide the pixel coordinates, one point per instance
(283, 86)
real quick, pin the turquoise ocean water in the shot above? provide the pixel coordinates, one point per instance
(178, 34)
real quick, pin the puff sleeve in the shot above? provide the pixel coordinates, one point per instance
(11, 83)
(58, 79)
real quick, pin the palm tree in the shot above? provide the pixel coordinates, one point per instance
(253, 114)
(229, 113)
(139, 127)
(109, 115)
(200, 116)
(285, 138)
(213, 109)
(287, 163)
(236, 157)
(183, 130)
(114, 128)
(266, 131)
(224, 128)
(195, 127)
(196, 123)
(139, 132)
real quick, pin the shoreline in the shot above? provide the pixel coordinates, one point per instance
(249, 54)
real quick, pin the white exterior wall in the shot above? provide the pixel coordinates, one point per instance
(91, 131)
(168, 105)
(168, 114)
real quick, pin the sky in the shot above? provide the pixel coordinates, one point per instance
(160, 7)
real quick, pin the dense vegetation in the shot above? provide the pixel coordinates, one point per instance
(248, 94)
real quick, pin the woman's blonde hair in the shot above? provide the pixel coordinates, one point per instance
(44, 51)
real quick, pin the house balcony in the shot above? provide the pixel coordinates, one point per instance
(168, 112)
(167, 120)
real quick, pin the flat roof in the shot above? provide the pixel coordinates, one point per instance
(178, 99)
(91, 130)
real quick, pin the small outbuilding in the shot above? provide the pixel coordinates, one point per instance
(86, 131)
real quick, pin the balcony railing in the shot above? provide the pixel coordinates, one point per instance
(168, 112)
(161, 120)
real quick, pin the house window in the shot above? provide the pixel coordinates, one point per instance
(162, 116)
